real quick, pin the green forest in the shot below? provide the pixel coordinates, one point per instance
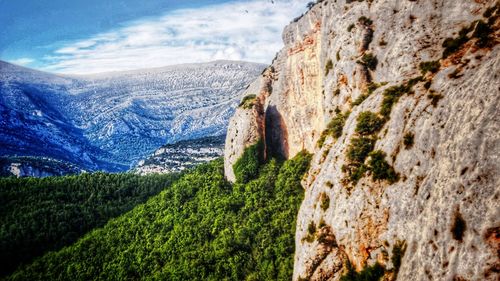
(41, 215)
(200, 227)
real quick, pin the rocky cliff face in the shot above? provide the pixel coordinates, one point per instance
(398, 101)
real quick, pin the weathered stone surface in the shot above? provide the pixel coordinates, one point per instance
(450, 174)
(246, 127)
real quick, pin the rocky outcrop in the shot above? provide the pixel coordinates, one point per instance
(182, 155)
(35, 167)
(413, 185)
(246, 127)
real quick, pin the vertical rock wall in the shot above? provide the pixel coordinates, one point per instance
(440, 217)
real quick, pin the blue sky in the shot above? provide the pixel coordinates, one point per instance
(91, 36)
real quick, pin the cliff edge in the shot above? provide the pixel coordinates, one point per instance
(398, 101)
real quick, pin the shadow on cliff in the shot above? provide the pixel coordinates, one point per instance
(276, 134)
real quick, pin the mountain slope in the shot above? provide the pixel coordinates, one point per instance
(33, 124)
(182, 155)
(200, 228)
(398, 101)
(109, 121)
(42, 215)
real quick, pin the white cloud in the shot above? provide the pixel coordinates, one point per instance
(249, 30)
(22, 61)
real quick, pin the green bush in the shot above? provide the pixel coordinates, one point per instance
(359, 148)
(248, 101)
(408, 140)
(357, 172)
(392, 95)
(398, 252)
(452, 45)
(311, 228)
(350, 27)
(372, 86)
(357, 152)
(380, 169)
(247, 166)
(325, 201)
(360, 99)
(334, 127)
(370, 89)
(369, 273)
(482, 31)
(328, 66)
(429, 66)
(369, 123)
(369, 60)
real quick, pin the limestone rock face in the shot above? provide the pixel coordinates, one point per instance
(440, 133)
(246, 127)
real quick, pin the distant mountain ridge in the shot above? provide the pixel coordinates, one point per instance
(109, 121)
(182, 155)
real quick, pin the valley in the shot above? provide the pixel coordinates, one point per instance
(111, 121)
(367, 150)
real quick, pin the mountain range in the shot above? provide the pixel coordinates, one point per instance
(110, 121)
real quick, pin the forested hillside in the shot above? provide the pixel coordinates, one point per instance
(40, 215)
(201, 228)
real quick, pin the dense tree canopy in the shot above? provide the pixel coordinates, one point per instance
(39, 215)
(201, 228)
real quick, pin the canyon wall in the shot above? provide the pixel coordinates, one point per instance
(398, 101)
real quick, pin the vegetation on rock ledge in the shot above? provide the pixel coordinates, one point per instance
(248, 101)
(334, 128)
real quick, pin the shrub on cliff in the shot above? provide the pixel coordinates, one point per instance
(325, 201)
(248, 101)
(359, 148)
(369, 273)
(328, 66)
(369, 123)
(380, 169)
(429, 66)
(334, 127)
(369, 60)
(408, 140)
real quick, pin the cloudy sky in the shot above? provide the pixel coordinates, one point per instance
(91, 36)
